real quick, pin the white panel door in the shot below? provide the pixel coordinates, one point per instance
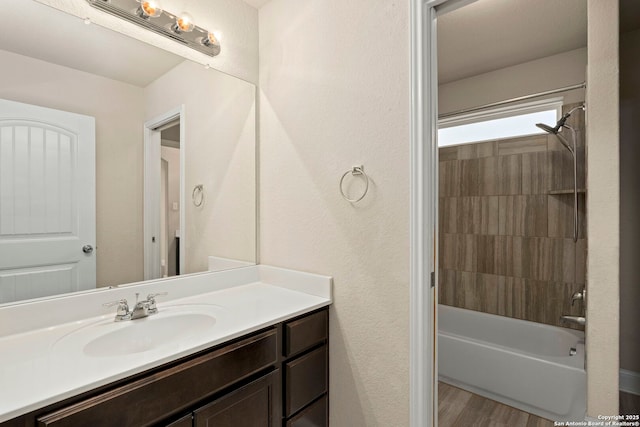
(47, 202)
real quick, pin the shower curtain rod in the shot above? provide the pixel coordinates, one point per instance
(509, 101)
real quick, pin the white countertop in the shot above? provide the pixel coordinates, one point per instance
(41, 365)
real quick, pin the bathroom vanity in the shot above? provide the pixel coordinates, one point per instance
(263, 362)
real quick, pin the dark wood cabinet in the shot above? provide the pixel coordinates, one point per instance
(305, 371)
(153, 398)
(314, 415)
(305, 379)
(305, 332)
(255, 404)
(270, 378)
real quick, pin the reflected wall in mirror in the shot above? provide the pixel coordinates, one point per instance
(122, 84)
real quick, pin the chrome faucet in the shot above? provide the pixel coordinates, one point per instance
(140, 309)
(578, 320)
(579, 296)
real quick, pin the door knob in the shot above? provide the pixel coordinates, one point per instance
(87, 249)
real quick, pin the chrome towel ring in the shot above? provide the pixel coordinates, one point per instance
(355, 171)
(197, 195)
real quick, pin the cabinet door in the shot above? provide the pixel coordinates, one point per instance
(254, 405)
(186, 421)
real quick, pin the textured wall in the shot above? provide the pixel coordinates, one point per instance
(506, 244)
(603, 229)
(630, 201)
(334, 77)
(119, 112)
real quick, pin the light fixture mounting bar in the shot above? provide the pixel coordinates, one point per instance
(164, 24)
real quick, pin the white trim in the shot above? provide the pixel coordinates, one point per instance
(151, 226)
(424, 207)
(629, 381)
(423, 360)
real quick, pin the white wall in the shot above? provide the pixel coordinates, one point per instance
(630, 201)
(234, 20)
(119, 112)
(552, 72)
(603, 205)
(220, 135)
(334, 79)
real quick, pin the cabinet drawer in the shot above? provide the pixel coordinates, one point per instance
(305, 379)
(304, 333)
(160, 395)
(315, 415)
(250, 406)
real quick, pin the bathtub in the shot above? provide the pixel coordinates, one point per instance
(522, 364)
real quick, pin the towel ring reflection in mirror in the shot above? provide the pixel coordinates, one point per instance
(355, 171)
(197, 195)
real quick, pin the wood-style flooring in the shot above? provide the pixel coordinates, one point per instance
(459, 408)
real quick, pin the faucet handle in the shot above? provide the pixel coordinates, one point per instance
(580, 295)
(151, 298)
(157, 294)
(123, 306)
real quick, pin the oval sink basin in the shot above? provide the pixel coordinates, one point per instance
(148, 333)
(171, 326)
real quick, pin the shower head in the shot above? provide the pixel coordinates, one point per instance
(556, 131)
(547, 128)
(558, 128)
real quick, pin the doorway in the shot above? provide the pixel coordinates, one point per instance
(424, 194)
(170, 200)
(164, 216)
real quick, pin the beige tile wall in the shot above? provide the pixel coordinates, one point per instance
(506, 243)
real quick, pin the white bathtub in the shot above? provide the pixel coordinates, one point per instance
(519, 363)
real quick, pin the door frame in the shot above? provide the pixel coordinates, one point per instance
(151, 215)
(423, 294)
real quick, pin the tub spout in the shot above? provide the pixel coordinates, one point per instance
(578, 320)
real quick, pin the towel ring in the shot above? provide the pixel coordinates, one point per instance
(356, 170)
(197, 195)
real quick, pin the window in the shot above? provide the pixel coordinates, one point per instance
(499, 123)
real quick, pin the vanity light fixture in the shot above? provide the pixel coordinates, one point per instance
(150, 15)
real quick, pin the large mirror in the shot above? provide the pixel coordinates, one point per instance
(103, 134)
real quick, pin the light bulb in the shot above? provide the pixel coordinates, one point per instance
(210, 40)
(184, 22)
(150, 9)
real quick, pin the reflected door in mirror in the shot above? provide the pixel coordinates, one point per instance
(47, 202)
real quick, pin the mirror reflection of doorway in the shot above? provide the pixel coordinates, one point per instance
(164, 148)
(170, 200)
